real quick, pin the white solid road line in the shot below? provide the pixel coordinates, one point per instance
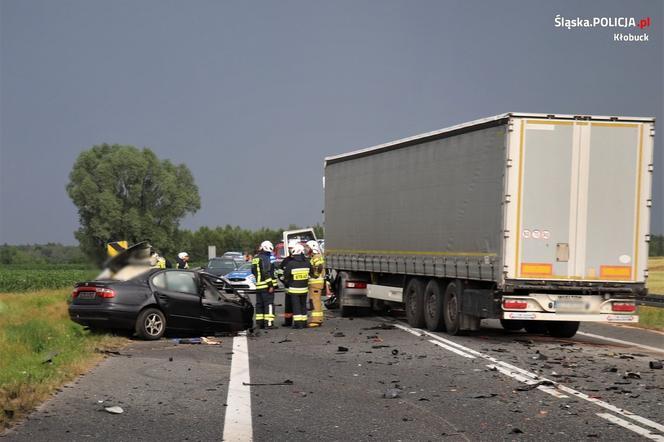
(619, 341)
(529, 381)
(525, 375)
(237, 423)
(452, 349)
(630, 426)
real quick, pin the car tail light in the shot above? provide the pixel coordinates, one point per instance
(356, 285)
(514, 304)
(100, 292)
(623, 307)
(105, 293)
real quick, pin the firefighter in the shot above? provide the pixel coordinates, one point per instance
(156, 260)
(263, 270)
(182, 261)
(296, 276)
(316, 283)
(288, 307)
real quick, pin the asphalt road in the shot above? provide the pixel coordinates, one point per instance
(331, 384)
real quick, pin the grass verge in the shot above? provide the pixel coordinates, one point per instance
(651, 318)
(41, 349)
(656, 275)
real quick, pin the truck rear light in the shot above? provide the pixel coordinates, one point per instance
(356, 285)
(623, 307)
(514, 304)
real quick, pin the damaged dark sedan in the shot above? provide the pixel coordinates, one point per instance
(132, 295)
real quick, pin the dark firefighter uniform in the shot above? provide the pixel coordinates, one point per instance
(263, 270)
(296, 276)
(316, 285)
(288, 306)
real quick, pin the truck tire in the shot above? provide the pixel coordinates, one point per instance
(511, 324)
(451, 310)
(535, 327)
(563, 329)
(413, 298)
(433, 306)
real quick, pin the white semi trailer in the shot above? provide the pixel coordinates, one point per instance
(539, 220)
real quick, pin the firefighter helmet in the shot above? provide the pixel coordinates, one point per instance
(313, 245)
(267, 246)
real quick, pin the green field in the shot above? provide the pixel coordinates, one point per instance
(656, 275)
(21, 279)
(41, 349)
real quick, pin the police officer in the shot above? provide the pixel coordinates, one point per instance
(263, 270)
(316, 283)
(182, 260)
(296, 276)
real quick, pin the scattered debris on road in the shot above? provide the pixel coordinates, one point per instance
(341, 349)
(381, 326)
(655, 365)
(114, 410)
(392, 393)
(260, 384)
(529, 387)
(187, 341)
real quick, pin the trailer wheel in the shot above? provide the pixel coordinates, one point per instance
(433, 306)
(563, 329)
(413, 298)
(451, 310)
(511, 324)
(535, 327)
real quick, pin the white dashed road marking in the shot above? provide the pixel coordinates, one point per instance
(237, 423)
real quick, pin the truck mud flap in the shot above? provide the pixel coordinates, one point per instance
(480, 302)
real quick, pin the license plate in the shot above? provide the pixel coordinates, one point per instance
(87, 295)
(569, 304)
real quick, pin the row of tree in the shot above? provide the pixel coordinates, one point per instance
(41, 254)
(227, 238)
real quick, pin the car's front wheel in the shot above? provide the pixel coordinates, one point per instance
(151, 324)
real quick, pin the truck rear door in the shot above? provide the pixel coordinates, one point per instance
(582, 195)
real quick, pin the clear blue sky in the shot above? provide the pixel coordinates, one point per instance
(252, 95)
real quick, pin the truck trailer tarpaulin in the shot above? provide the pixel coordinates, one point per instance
(528, 217)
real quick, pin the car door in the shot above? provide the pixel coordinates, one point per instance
(219, 313)
(177, 292)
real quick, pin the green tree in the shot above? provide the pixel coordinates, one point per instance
(125, 193)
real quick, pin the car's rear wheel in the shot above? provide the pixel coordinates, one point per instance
(151, 324)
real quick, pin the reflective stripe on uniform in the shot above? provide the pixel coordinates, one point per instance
(299, 317)
(300, 274)
(298, 290)
(260, 316)
(269, 317)
(316, 314)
